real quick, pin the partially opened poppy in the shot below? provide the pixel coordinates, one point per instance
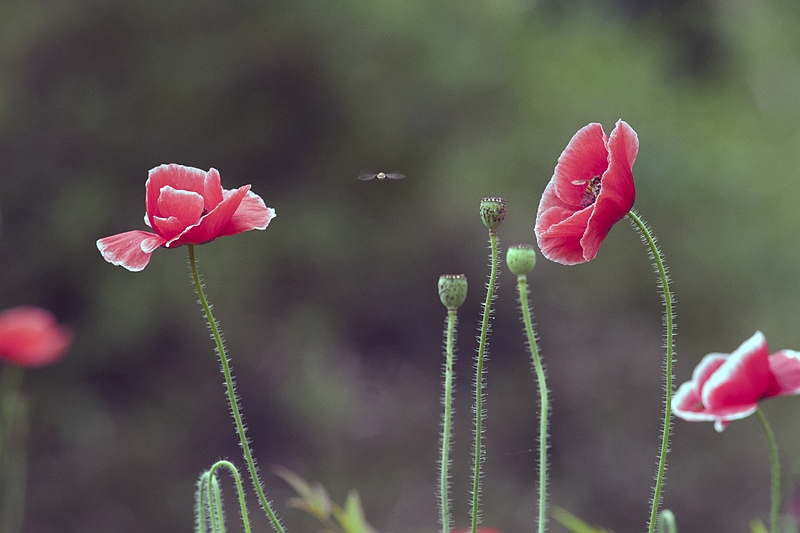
(727, 387)
(31, 337)
(590, 191)
(185, 205)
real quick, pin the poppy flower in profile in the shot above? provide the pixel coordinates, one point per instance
(185, 205)
(30, 336)
(590, 191)
(727, 387)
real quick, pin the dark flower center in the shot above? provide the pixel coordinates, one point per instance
(591, 193)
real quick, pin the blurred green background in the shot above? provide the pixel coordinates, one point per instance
(331, 314)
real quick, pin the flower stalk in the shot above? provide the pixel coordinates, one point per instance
(444, 477)
(776, 471)
(452, 292)
(209, 512)
(492, 213)
(669, 326)
(232, 400)
(13, 450)
(520, 260)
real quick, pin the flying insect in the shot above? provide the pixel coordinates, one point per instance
(365, 175)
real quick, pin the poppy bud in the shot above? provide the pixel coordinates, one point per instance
(521, 258)
(493, 211)
(453, 290)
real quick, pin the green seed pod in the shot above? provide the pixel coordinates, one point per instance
(453, 290)
(493, 211)
(521, 258)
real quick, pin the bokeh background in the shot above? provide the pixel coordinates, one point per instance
(331, 314)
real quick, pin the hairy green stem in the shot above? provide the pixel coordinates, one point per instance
(544, 413)
(776, 471)
(444, 478)
(234, 404)
(669, 317)
(479, 413)
(239, 489)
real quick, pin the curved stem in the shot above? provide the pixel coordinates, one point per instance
(522, 284)
(669, 317)
(479, 413)
(234, 404)
(444, 479)
(239, 489)
(776, 471)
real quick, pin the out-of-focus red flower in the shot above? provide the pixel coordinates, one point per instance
(185, 205)
(727, 387)
(31, 336)
(590, 191)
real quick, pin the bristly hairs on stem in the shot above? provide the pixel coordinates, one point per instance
(521, 260)
(479, 412)
(233, 400)
(445, 462)
(492, 211)
(208, 504)
(452, 293)
(668, 300)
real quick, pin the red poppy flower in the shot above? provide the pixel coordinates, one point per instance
(590, 191)
(30, 336)
(727, 387)
(185, 205)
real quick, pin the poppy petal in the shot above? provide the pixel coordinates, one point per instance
(212, 189)
(617, 191)
(706, 367)
(177, 210)
(584, 157)
(590, 191)
(560, 235)
(785, 366)
(131, 249)
(210, 225)
(686, 404)
(742, 379)
(31, 336)
(251, 214)
(178, 177)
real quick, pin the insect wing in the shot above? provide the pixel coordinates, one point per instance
(395, 175)
(365, 175)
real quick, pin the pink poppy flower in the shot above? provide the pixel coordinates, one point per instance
(185, 205)
(30, 336)
(590, 191)
(727, 387)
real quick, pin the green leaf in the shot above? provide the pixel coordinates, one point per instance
(351, 517)
(312, 499)
(666, 522)
(757, 526)
(575, 524)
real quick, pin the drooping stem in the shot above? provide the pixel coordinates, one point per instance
(232, 401)
(544, 412)
(669, 325)
(479, 371)
(444, 478)
(776, 471)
